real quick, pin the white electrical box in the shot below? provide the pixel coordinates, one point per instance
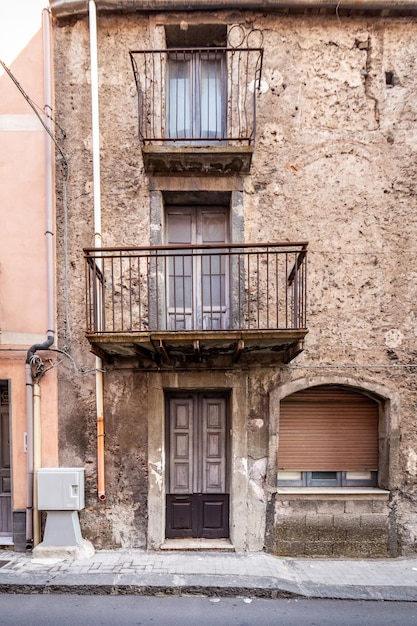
(60, 488)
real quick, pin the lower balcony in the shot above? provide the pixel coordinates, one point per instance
(218, 305)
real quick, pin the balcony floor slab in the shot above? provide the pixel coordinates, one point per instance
(201, 160)
(201, 347)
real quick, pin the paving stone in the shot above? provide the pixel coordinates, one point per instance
(228, 574)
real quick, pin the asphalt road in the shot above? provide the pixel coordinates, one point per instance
(64, 610)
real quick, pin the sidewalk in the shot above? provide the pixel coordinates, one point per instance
(210, 573)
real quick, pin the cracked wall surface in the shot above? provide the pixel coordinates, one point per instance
(335, 165)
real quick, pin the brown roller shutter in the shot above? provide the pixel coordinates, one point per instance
(328, 429)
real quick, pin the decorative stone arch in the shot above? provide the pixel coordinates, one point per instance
(389, 418)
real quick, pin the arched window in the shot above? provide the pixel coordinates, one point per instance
(328, 436)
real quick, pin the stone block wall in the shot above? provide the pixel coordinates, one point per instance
(330, 527)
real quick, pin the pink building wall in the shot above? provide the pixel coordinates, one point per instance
(23, 283)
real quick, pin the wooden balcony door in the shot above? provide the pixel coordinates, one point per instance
(196, 92)
(197, 498)
(5, 478)
(198, 281)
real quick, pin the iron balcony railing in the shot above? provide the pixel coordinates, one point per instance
(197, 96)
(196, 288)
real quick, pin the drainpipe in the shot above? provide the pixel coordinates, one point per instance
(29, 456)
(97, 235)
(37, 459)
(33, 395)
(49, 176)
(33, 443)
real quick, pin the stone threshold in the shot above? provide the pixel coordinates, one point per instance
(220, 545)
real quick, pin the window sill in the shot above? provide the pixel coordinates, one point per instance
(335, 493)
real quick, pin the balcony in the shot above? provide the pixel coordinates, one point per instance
(197, 109)
(222, 304)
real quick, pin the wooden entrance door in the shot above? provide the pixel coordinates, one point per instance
(197, 498)
(5, 478)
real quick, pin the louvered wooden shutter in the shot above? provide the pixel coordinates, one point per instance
(328, 429)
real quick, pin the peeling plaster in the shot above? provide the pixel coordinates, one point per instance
(257, 423)
(241, 465)
(257, 476)
(156, 471)
(394, 338)
(263, 86)
(122, 519)
(412, 462)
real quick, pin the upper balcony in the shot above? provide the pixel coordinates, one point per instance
(214, 304)
(197, 108)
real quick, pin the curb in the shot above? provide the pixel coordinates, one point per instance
(143, 590)
(209, 586)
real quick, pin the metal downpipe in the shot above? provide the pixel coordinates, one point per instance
(29, 456)
(49, 176)
(37, 459)
(33, 410)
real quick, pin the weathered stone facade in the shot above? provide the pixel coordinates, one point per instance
(334, 164)
(335, 527)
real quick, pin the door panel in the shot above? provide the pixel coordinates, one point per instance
(179, 516)
(179, 121)
(214, 275)
(197, 502)
(181, 440)
(197, 515)
(215, 515)
(180, 230)
(214, 445)
(212, 115)
(5, 475)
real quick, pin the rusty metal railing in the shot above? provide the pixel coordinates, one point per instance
(197, 95)
(196, 288)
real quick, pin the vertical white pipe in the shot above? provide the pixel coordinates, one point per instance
(37, 459)
(49, 175)
(95, 122)
(29, 455)
(97, 232)
(33, 409)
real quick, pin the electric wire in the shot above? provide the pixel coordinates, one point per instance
(35, 108)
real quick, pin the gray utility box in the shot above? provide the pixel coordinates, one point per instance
(60, 488)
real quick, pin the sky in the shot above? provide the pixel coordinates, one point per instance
(19, 21)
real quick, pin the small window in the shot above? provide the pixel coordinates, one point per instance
(323, 479)
(195, 35)
(328, 437)
(327, 479)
